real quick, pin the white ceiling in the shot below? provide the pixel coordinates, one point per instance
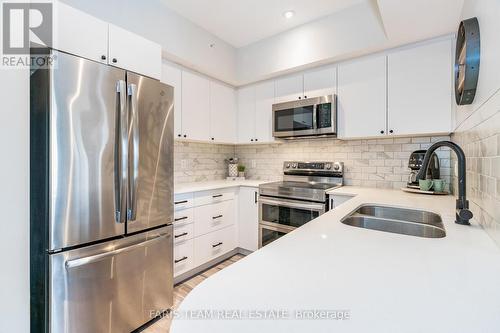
(243, 22)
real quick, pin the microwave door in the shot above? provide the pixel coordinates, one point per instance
(294, 121)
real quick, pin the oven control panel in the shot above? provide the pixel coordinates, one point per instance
(313, 166)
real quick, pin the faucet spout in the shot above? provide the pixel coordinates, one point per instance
(463, 214)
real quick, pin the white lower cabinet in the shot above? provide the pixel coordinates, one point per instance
(204, 227)
(213, 217)
(183, 257)
(248, 218)
(213, 245)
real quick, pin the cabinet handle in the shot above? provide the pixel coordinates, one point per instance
(181, 259)
(216, 217)
(218, 244)
(179, 135)
(217, 196)
(180, 202)
(103, 57)
(251, 140)
(391, 131)
(382, 132)
(185, 135)
(305, 96)
(256, 139)
(181, 235)
(115, 60)
(213, 139)
(180, 218)
(300, 97)
(255, 196)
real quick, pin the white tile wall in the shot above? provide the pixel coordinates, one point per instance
(380, 163)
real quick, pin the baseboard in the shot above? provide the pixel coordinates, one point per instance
(197, 270)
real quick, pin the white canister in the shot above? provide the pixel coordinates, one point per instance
(233, 170)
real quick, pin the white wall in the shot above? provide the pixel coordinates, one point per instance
(181, 40)
(333, 38)
(14, 203)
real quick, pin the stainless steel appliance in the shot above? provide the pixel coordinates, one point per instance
(415, 163)
(298, 199)
(101, 197)
(307, 117)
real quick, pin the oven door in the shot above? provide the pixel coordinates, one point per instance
(268, 234)
(288, 213)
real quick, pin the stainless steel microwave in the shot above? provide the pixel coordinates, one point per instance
(307, 117)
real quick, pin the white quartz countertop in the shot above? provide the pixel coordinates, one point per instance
(387, 282)
(215, 184)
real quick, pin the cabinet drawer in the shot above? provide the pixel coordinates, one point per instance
(213, 217)
(214, 244)
(183, 232)
(183, 201)
(183, 257)
(209, 197)
(183, 216)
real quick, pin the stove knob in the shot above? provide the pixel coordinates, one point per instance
(288, 165)
(336, 167)
(328, 166)
(294, 165)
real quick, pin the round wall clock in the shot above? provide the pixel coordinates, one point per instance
(467, 56)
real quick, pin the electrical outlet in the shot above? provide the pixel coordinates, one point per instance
(184, 164)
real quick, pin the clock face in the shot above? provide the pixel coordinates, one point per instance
(467, 61)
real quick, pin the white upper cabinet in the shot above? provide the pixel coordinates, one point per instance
(362, 97)
(290, 88)
(320, 82)
(172, 75)
(133, 52)
(195, 107)
(80, 34)
(420, 89)
(246, 114)
(264, 100)
(222, 113)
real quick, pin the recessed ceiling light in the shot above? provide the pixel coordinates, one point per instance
(288, 14)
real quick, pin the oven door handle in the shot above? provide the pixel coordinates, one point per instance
(303, 205)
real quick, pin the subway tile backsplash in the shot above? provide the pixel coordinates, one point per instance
(380, 163)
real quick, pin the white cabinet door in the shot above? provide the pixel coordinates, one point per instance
(246, 114)
(80, 34)
(264, 100)
(290, 88)
(420, 89)
(172, 75)
(248, 219)
(134, 53)
(362, 97)
(195, 107)
(222, 113)
(320, 82)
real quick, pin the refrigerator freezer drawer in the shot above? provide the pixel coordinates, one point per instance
(112, 287)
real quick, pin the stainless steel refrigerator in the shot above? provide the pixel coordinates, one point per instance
(101, 197)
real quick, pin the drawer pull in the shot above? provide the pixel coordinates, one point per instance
(217, 217)
(180, 202)
(218, 244)
(181, 235)
(181, 259)
(217, 196)
(180, 218)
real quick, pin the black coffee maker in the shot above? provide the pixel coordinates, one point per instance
(415, 162)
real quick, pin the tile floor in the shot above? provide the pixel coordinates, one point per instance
(181, 290)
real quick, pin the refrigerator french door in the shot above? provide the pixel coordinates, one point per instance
(101, 197)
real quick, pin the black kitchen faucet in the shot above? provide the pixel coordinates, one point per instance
(463, 214)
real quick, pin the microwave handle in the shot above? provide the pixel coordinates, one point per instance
(315, 120)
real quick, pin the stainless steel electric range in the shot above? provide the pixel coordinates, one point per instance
(298, 199)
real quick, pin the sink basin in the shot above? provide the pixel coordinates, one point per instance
(397, 220)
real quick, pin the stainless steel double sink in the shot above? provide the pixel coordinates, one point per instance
(397, 220)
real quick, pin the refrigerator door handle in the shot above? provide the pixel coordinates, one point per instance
(134, 151)
(101, 256)
(121, 152)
